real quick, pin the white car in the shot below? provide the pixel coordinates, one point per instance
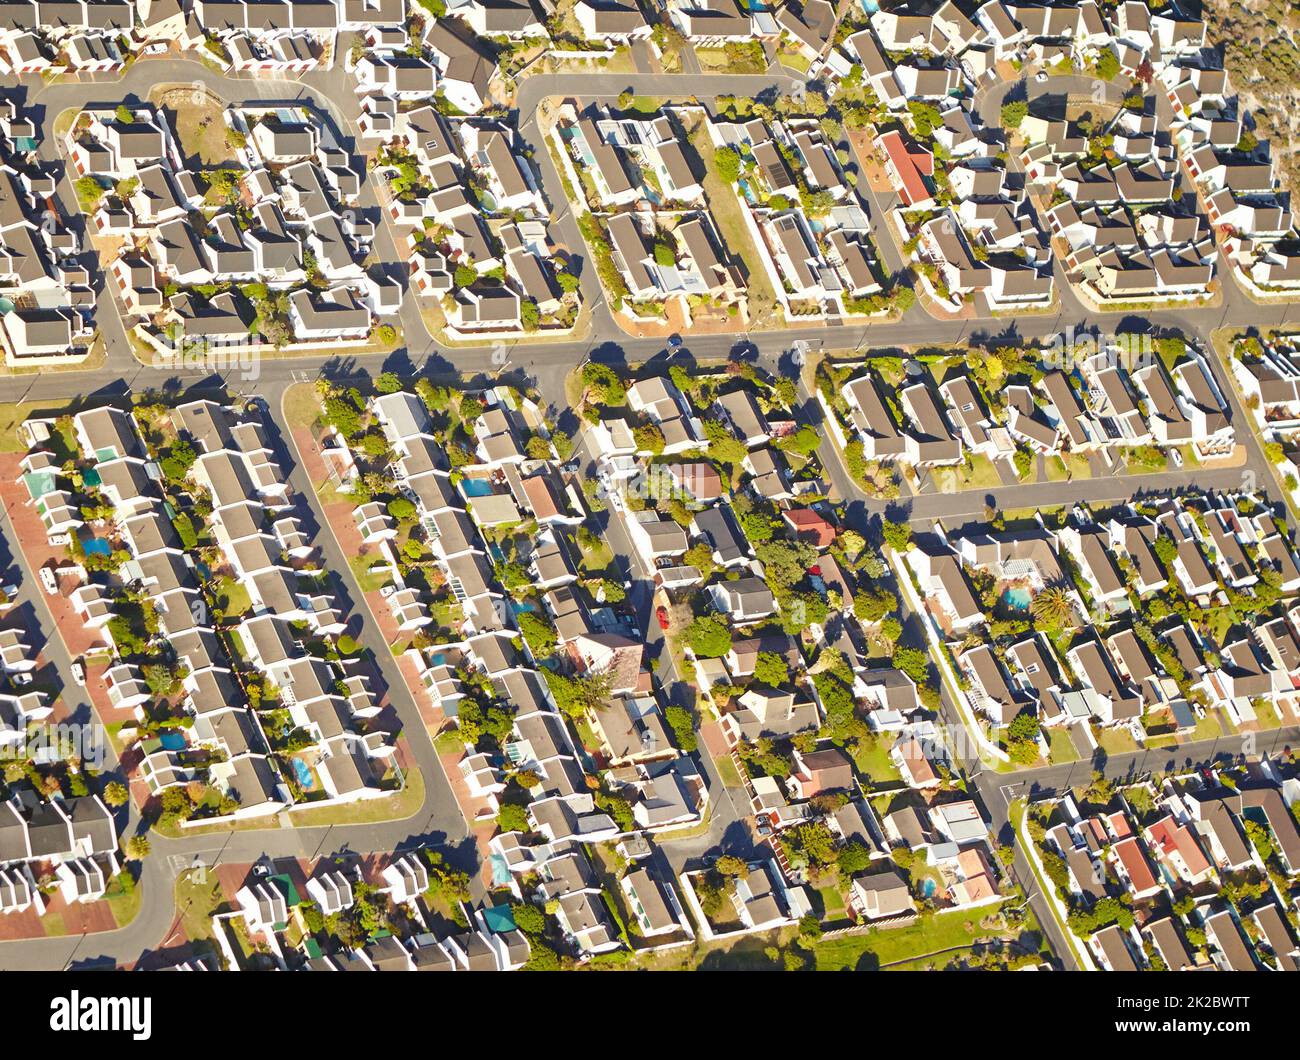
(1041, 77)
(155, 48)
(48, 580)
(79, 673)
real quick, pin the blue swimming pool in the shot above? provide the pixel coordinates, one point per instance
(303, 774)
(476, 487)
(172, 741)
(98, 546)
(928, 887)
(1017, 599)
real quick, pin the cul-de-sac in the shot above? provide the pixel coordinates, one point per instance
(554, 485)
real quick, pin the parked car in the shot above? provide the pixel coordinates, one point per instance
(661, 613)
(79, 672)
(49, 581)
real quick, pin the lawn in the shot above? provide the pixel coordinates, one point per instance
(717, 60)
(832, 904)
(301, 405)
(367, 582)
(1062, 747)
(125, 905)
(727, 772)
(1070, 465)
(1208, 728)
(597, 558)
(234, 596)
(198, 896)
(10, 418)
(396, 807)
(980, 475)
(1267, 714)
(1143, 460)
(873, 761)
(1116, 741)
(887, 946)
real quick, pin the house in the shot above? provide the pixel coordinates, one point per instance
(611, 22)
(465, 68)
(745, 600)
(818, 772)
(882, 896)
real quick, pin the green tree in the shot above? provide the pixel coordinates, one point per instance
(1052, 608)
(771, 669)
(138, 847)
(709, 636)
(400, 508)
(682, 723)
(1013, 113)
(727, 163)
(897, 535)
(388, 383)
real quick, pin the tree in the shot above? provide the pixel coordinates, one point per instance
(649, 438)
(1023, 461)
(709, 637)
(683, 725)
(400, 508)
(664, 255)
(913, 662)
(137, 847)
(1107, 66)
(723, 445)
(89, 192)
(465, 275)
(1052, 608)
(771, 669)
(1013, 113)
(897, 535)
(1022, 738)
(388, 383)
(804, 441)
(512, 818)
(178, 461)
(727, 162)
(539, 634)
(115, 794)
(785, 563)
(123, 114)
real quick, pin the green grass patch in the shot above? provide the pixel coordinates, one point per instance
(888, 946)
(1062, 748)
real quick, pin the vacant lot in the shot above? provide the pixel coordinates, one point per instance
(196, 118)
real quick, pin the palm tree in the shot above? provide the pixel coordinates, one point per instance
(115, 794)
(1052, 608)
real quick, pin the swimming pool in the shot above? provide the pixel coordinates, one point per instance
(1017, 599)
(303, 774)
(476, 487)
(98, 546)
(928, 887)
